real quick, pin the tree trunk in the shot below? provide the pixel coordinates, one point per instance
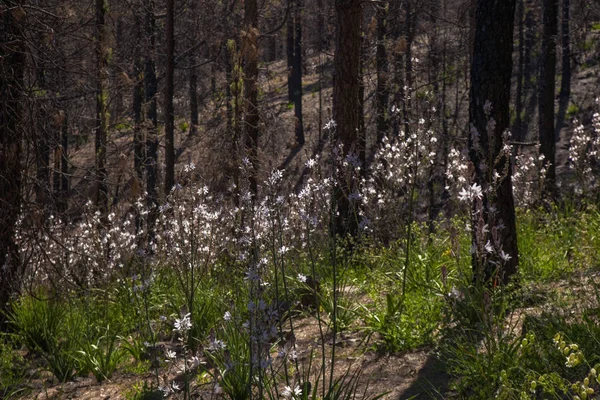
(150, 91)
(290, 50)
(516, 130)
(169, 111)
(565, 87)
(398, 81)
(138, 135)
(193, 78)
(411, 21)
(382, 91)
(64, 165)
(193, 99)
(528, 67)
(250, 58)
(42, 139)
(12, 58)
(362, 130)
(565, 83)
(234, 112)
(138, 115)
(436, 182)
(491, 70)
(547, 87)
(346, 88)
(101, 106)
(297, 72)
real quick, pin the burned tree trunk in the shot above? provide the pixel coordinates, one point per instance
(297, 73)
(169, 111)
(11, 136)
(250, 59)
(346, 103)
(382, 94)
(101, 106)
(491, 70)
(547, 87)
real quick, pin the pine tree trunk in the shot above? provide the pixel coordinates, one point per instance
(138, 136)
(250, 57)
(346, 89)
(12, 59)
(362, 131)
(150, 92)
(547, 87)
(565, 83)
(297, 72)
(382, 91)
(101, 106)
(193, 99)
(528, 68)
(398, 80)
(64, 165)
(516, 130)
(491, 71)
(565, 87)
(42, 141)
(411, 20)
(290, 49)
(169, 111)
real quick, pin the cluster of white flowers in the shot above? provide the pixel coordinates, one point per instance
(400, 165)
(470, 193)
(529, 173)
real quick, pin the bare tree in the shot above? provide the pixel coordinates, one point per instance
(565, 82)
(250, 59)
(382, 96)
(346, 90)
(547, 88)
(169, 111)
(491, 70)
(101, 105)
(11, 135)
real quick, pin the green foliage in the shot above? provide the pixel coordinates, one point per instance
(345, 387)
(411, 319)
(144, 391)
(48, 329)
(12, 368)
(134, 346)
(122, 126)
(572, 111)
(342, 304)
(552, 245)
(478, 347)
(206, 306)
(38, 322)
(229, 351)
(184, 126)
(101, 355)
(403, 323)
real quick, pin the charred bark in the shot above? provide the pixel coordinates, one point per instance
(169, 110)
(346, 102)
(491, 71)
(11, 135)
(547, 88)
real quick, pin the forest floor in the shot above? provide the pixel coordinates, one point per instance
(415, 374)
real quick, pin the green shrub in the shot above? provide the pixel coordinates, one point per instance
(101, 356)
(12, 369)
